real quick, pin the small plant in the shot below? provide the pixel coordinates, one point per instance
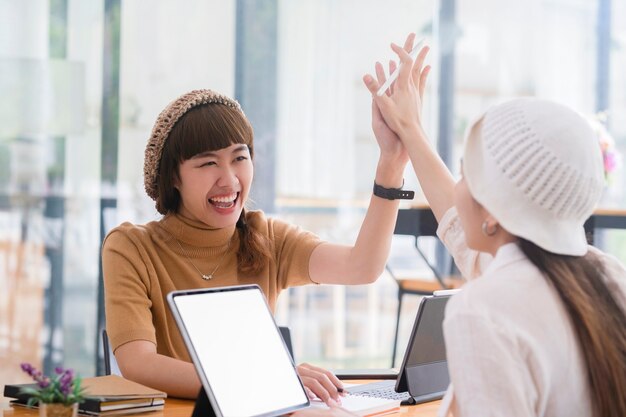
(63, 387)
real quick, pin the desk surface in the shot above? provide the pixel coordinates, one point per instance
(183, 408)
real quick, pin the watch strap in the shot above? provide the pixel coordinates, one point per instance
(393, 193)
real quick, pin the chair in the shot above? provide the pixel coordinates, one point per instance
(420, 222)
(110, 364)
(286, 335)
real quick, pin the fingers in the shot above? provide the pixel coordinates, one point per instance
(422, 82)
(320, 383)
(337, 384)
(309, 393)
(411, 73)
(371, 83)
(392, 68)
(319, 390)
(419, 63)
(408, 47)
(408, 44)
(373, 86)
(333, 404)
(336, 381)
(377, 116)
(380, 73)
(406, 65)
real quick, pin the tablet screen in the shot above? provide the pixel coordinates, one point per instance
(238, 351)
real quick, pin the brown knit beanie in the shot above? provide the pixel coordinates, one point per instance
(163, 125)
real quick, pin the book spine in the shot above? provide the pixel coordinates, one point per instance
(91, 405)
(13, 391)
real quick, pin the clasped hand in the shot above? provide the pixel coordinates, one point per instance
(399, 108)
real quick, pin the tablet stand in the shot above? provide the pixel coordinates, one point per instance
(203, 407)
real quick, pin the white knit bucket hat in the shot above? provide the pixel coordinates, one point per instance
(536, 166)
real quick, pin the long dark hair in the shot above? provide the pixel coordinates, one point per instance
(206, 128)
(598, 319)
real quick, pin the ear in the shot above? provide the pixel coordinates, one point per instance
(491, 221)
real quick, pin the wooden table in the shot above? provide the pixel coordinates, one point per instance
(183, 408)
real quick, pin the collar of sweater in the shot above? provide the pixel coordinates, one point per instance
(196, 233)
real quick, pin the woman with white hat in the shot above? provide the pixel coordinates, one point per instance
(540, 328)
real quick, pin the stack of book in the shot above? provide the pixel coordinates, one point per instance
(106, 396)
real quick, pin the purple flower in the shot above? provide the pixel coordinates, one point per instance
(66, 379)
(28, 368)
(43, 383)
(66, 388)
(62, 387)
(38, 376)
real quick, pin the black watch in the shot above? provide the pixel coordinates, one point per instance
(392, 193)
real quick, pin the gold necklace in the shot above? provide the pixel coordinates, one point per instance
(204, 276)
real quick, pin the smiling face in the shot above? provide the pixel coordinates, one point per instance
(214, 185)
(205, 172)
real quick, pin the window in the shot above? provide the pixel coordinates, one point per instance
(83, 82)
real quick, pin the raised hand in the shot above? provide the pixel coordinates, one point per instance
(401, 106)
(401, 110)
(389, 143)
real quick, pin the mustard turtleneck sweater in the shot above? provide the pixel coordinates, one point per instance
(143, 263)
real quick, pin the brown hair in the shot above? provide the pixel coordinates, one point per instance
(598, 319)
(204, 128)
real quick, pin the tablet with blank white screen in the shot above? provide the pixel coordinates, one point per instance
(237, 349)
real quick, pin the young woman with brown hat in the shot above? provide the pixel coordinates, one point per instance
(198, 169)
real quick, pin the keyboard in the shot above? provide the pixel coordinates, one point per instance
(382, 389)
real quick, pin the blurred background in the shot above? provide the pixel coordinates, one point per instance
(82, 81)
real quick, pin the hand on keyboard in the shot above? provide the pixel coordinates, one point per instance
(320, 383)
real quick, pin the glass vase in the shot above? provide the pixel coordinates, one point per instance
(58, 410)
